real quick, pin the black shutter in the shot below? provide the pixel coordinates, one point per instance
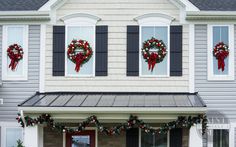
(176, 51)
(132, 51)
(132, 137)
(101, 50)
(58, 51)
(176, 138)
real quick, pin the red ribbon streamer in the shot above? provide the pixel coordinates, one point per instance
(14, 61)
(221, 57)
(78, 61)
(152, 61)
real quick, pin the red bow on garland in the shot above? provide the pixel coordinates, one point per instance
(221, 59)
(152, 61)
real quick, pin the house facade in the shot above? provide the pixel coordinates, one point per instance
(123, 73)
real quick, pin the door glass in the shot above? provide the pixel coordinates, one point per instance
(80, 141)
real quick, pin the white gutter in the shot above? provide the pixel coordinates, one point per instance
(116, 110)
(211, 15)
(24, 15)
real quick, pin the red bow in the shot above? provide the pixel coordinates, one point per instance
(14, 61)
(221, 57)
(79, 60)
(152, 61)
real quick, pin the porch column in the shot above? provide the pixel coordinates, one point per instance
(195, 137)
(33, 136)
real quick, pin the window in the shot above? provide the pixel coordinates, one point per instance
(220, 138)
(217, 34)
(10, 133)
(81, 139)
(13, 34)
(149, 140)
(155, 25)
(80, 27)
(220, 135)
(160, 33)
(85, 33)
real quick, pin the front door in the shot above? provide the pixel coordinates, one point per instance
(81, 139)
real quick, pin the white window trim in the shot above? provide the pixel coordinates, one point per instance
(211, 76)
(89, 128)
(77, 22)
(154, 20)
(140, 139)
(229, 127)
(4, 126)
(24, 77)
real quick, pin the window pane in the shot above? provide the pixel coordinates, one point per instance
(160, 33)
(161, 140)
(220, 34)
(84, 33)
(12, 135)
(15, 35)
(220, 138)
(80, 141)
(149, 140)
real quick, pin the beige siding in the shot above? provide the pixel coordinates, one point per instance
(117, 14)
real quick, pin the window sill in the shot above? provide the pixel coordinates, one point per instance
(14, 79)
(220, 78)
(154, 76)
(79, 76)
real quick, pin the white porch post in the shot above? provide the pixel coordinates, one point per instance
(195, 137)
(33, 136)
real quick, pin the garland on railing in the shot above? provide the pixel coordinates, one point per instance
(132, 122)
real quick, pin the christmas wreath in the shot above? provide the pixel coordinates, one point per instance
(15, 53)
(79, 52)
(220, 52)
(153, 51)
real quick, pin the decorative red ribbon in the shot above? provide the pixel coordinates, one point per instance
(79, 60)
(221, 59)
(14, 61)
(152, 61)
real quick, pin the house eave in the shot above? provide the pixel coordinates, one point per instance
(24, 15)
(115, 110)
(211, 15)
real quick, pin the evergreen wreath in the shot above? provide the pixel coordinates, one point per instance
(79, 52)
(15, 53)
(220, 52)
(153, 51)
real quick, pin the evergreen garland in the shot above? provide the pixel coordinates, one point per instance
(132, 122)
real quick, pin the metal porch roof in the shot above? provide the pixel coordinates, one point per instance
(68, 99)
